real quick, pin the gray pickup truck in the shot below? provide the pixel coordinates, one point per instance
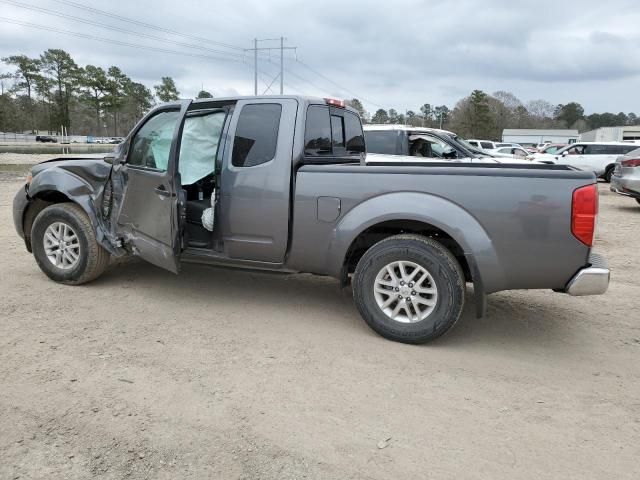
(281, 184)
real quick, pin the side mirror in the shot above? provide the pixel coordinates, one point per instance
(565, 153)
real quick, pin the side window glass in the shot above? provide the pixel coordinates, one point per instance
(256, 134)
(317, 135)
(354, 138)
(380, 141)
(486, 145)
(151, 144)
(200, 139)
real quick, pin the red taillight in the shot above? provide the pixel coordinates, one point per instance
(631, 163)
(335, 102)
(584, 211)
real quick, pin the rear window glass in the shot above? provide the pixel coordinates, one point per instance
(385, 142)
(337, 131)
(256, 134)
(332, 132)
(317, 136)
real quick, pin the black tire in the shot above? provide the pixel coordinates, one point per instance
(609, 173)
(638, 200)
(439, 263)
(93, 259)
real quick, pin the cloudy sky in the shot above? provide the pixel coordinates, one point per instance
(394, 54)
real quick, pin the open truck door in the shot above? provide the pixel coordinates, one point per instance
(146, 188)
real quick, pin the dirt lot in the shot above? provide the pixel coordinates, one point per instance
(224, 374)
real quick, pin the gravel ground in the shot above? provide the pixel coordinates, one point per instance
(232, 375)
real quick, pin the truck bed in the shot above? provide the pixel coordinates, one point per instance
(515, 221)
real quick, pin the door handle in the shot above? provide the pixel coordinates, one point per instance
(161, 190)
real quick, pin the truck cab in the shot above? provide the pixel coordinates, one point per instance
(182, 161)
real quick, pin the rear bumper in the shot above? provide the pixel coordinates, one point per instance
(591, 280)
(626, 187)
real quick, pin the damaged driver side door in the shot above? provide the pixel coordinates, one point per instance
(146, 214)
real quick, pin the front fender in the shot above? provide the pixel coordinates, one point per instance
(433, 210)
(87, 193)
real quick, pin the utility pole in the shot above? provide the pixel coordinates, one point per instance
(255, 50)
(281, 65)
(255, 67)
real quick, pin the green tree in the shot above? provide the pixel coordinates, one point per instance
(381, 116)
(115, 93)
(569, 113)
(412, 118)
(357, 105)
(94, 86)
(427, 113)
(27, 71)
(64, 73)
(480, 119)
(204, 94)
(140, 97)
(167, 91)
(441, 115)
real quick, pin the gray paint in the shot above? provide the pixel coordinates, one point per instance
(513, 224)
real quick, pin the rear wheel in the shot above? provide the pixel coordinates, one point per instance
(638, 200)
(409, 288)
(65, 247)
(608, 173)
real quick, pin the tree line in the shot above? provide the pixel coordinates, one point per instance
(52, 91)
(481, 115)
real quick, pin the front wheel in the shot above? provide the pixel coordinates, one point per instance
(638, 200)
(65, 247)
(409, 288)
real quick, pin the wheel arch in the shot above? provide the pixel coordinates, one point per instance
(429, 215)
(56, 185)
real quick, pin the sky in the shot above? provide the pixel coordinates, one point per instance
(390, 54)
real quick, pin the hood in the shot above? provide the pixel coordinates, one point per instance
(93, 169)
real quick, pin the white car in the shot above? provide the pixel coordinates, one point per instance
(598, 157)
(511, 152)
(484, 144)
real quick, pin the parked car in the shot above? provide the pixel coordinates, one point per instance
(550, 149)
(597, 157)
(483, 144)
(511, 152)
(286, 181)
(500, 145)
(46, 139)
(626, 175)
(410, 144)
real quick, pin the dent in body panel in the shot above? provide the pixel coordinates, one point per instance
(82, 182)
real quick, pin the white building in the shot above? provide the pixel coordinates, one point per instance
(612, 134)
(532, 136)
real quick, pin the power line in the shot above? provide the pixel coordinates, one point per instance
(360, 97)
(117, 29)
(116, 42)
(147, 25)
